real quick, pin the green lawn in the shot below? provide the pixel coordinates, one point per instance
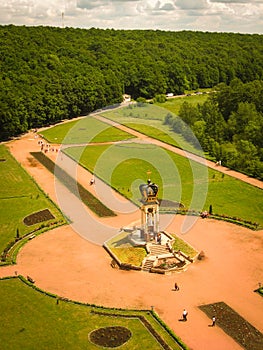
(126, 253)
(184, 247)
(126, 166)
(19, 197)
(84, 130)
(31, 320)
(149, 120)
(174, 104)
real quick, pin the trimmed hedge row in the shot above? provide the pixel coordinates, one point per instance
(232, 219)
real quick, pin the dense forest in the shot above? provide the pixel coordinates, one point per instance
(49, 74)
(228, 126)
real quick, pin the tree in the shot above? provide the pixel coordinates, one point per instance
(189, 113)
(215, 123)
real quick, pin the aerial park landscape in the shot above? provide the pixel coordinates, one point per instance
(97, 177)
(131, 167)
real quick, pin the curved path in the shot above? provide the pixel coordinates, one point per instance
(64, 263)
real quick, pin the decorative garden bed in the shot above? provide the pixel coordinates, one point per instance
(40, 216)
(234, 325)
(110, 337)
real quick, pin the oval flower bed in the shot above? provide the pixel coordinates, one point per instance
(110, 337)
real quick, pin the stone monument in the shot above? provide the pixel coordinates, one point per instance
(149, 211)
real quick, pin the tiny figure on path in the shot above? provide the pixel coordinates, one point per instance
(176, 287)
(213, 321)
(92, 181)
(185, 313)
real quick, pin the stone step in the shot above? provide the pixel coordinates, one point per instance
(147, 265)
(158, 249)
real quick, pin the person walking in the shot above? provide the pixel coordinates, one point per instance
(213, 321)
(176, 287)
(185, 314)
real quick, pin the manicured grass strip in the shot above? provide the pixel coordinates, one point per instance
(234, 325)
(180, 244)
(88, 199)
(32, 316)
(20, 197)
(121, 247)
(130, 255)
(154, 133)
(84, 130)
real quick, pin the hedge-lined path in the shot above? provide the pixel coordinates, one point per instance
(62, 262)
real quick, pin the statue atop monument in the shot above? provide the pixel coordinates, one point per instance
(149, 192)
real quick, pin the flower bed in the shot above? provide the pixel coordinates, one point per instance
(40, 216)
(110, 337)
(234, 325)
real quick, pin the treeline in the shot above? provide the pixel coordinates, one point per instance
(229, 125)
(49, 74)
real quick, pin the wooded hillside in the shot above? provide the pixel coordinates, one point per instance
(49, 74)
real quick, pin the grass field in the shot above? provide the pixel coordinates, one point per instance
(19, 197)
(31, 320)
(184, 247)
(126, 166)
(174, 104)
(83, 130)
(149, 120)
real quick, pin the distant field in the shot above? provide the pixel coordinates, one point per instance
(126, 166)
(19, 197)
(149, 120)
(174, 104)
(31, 320)
(84, 130)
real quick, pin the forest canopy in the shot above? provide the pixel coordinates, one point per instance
(228, 126)
(49, 74)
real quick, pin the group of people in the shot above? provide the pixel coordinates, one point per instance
(46, 147)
